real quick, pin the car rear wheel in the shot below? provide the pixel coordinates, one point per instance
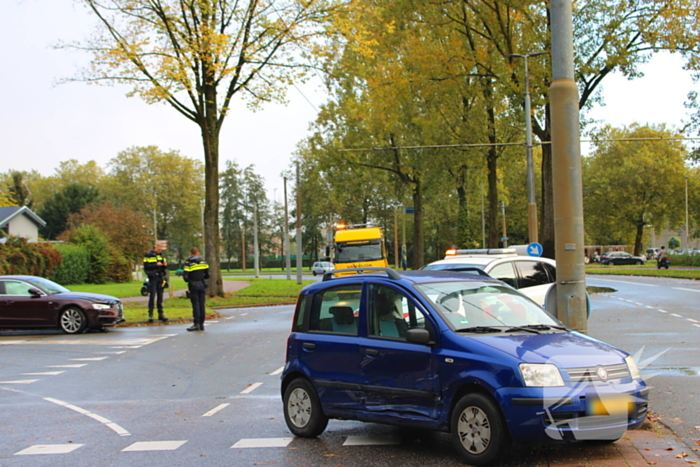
(478, 431)
(72, 320)
(302, 409)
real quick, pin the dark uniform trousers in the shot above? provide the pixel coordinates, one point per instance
(155, 290)
(197, 297)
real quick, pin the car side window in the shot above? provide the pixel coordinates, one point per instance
(551, 270)
(300, 315)
(391, 314)
(532, 273)
(15, 288)
(505, 272)
(336, 310)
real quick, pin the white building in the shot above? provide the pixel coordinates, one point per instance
(20, 222)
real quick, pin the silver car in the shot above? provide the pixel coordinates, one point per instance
(322, 267)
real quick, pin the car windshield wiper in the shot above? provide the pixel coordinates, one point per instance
(535, 328)
(479, 329)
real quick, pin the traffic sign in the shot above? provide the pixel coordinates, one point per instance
(534, 249)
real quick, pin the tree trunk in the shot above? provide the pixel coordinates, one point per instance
(546, 235)
(210, 138)
(463, 237)
(638, 238)
(418, 236)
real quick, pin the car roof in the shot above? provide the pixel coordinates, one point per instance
(484, 260)
(404, 278)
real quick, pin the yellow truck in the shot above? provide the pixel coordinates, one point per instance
(359, 248)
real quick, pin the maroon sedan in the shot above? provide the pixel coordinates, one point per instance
(29, 302)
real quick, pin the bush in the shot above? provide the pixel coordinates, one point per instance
(96, 244)
(119, 266)
(74, 267)
(18, 256)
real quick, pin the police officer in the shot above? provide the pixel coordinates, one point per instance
(196, 273)
(154, 266)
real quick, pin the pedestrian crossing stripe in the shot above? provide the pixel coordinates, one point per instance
(49, 449)
(262, 443)
(154, 446)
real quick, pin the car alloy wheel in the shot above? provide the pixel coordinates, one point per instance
(302, 409)
(72, 321)
(478, 429)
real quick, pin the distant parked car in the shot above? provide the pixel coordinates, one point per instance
(616, 258)
(322, 267)
(652, 253)
(30, 302)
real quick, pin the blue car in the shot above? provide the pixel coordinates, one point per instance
(453, 352)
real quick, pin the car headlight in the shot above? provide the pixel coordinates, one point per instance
(541, 375)
(632, 366)
(101, 306)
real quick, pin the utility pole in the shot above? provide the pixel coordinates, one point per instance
(287, 253)
(687, 232)
(531, 203)
(256, 253)
(299, 262)
(566, 172)
(396, 240)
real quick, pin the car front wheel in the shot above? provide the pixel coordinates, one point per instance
(302, 409)
(72, 320)
(478, 431)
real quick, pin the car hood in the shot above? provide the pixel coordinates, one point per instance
(564, 349)
(92, 297)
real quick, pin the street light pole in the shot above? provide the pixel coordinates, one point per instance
(531, 203)
(687, 233)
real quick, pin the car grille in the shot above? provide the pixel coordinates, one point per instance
(590, 374)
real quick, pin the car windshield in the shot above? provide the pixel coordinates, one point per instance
(474, 306)
(349, 252)
(47, 285)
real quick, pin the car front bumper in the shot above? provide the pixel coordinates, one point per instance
(574, 412)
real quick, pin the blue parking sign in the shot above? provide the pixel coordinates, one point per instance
(534, 249)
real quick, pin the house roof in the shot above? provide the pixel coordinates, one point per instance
(10, 212)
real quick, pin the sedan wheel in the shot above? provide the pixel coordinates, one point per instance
(72, 321)
(478, 430)
(302, 409)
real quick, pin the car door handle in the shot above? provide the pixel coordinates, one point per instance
(309, 346)
(372, 352)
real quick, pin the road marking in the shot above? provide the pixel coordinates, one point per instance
(624, 282)
(262, 443)
(11, 342)
(244, 314)
(113, 353)
(371, 441)
(91, 359)
(677, 316)
(212, 322)
(20, 381)
(154, 446)
(215, 409)
(662, 311)
(639, 304)
(111, 425)
(44, 373)
(118, 342)
(77, 365)
(277, 371)
(693, 321)
(686, 290)
(251, 388)
(696, 325)
(229, 317)
(650, 307)
(49, 449)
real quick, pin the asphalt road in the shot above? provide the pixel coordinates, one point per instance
(165, 397)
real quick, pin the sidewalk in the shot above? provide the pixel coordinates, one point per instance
(229, 287)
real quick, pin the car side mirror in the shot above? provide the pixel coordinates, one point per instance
(418, 336)
(34, 292)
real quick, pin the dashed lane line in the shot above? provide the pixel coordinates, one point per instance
(215, 410)
(48, 449)
(20, 381)
(277, 371)
(154, 446)
(676, 315)
(251, 388)
(44, 373)
(77, 365)
(262, 443)
(91, 359)
(686, 290)
(108, 423)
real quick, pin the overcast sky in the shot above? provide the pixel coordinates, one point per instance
(42, 124)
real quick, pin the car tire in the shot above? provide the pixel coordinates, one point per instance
(302, 409)
(314, 273)
(478, 430)
(144, 291)
(72, 320)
